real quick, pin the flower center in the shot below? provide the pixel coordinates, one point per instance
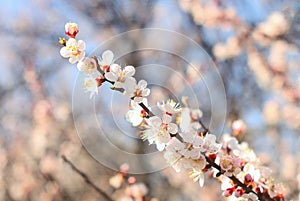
(164, 126)
(143, 113)
(121, 77)
(74, 50)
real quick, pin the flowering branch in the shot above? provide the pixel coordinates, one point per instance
(184, 143)
(87, 179)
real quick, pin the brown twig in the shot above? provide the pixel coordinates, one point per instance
(87, 179)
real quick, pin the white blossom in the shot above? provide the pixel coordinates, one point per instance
(137, 190)
(170, 107)
(122, 78)
(159, 131)
(106, 60)
(209, 144)
(87, 65)
(90, 84)
(74, 50)
(174, 153)
(138, 91)
(136, 114)
(231, 165)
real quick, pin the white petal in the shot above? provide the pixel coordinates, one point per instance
(81, 66)
(115, 68)
(65, 52)
(172, 128)
(119, 85)
(198, 141)
(155, 121)
(129, 115)
(160, 147)
(72, 59)
(164, 138)
(137, 121)
(210, 138)
(166, 119)
(130, 84)
(81, 56)
(201, 180)
(67, 26)
(142, 84)
(129, 71)
(111, 76)
(138, 99)
(107, 57)
(134, 118)
(146, 92)
(71, 42)
(81, 45)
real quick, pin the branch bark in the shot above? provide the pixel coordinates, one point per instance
(87, 179)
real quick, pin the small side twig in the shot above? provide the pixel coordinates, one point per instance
(86, 179)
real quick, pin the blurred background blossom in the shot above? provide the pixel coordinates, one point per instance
(254, 43)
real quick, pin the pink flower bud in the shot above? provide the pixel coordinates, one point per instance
(131, 180)
(71, 29)
(228, 192)
(124, 168)
(248, 179)
(238, 192)
(238, 127)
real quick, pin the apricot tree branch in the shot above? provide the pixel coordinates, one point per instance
(87, 179)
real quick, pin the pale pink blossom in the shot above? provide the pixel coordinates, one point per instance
(91, 85)
(122, 78)
(138, 91)
(87, 65)
(159, 131)
(71, 29)
(170, 107)
(106, 60)
(136, 114)
(74, 50)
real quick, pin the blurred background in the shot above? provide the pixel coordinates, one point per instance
(254, 44)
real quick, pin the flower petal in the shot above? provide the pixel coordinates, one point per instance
(155, 121)
(111, 76)
(201, 180)
(71, 42)
(146, 92)
(115, 68)
(165, 138)
(81, 45)
(142, 84)
(107, 57)
(160, 147)
(72, 59)
(138, 99)
(119, 85)
(64, 52)
(129, 71)
(172, 128)
(80, 56)
(166, 119)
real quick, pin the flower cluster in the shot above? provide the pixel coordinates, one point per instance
(98, 70)
(177, 131)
